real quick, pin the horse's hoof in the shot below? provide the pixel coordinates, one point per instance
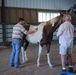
(38, 65)
(50, 66)
(23, 61)
(26, 60)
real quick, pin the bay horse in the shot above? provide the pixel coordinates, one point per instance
(42, 37)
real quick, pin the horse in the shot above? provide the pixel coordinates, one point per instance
(42, 37)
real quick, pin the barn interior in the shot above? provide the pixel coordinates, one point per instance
(34, 12)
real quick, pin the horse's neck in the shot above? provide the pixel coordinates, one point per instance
(57, 24)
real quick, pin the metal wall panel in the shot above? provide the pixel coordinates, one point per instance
(9, 32)
(1, 35)
(9, 40)
(0, 30)
(0, 26)
(41, 4)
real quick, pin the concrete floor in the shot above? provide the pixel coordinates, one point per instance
(30, 67)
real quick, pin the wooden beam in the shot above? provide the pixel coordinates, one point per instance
(2, 21)
(2, 12)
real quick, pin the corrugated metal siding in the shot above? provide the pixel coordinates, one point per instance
(9, 32)
(41, 4)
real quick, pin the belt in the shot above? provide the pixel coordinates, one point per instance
(17, 38)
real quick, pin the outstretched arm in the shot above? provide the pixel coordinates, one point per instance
(30, 32)
(23, 30)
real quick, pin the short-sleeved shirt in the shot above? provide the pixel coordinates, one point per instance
(66, 34)
(18, 31)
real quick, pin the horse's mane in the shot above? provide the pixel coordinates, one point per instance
(51, 21)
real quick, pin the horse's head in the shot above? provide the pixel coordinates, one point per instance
(55, 22)
(50, 27)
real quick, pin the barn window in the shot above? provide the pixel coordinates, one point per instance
(45, 16)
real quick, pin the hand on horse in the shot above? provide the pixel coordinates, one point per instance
(36, 30)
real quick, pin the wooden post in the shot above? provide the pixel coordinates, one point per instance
(3, 22)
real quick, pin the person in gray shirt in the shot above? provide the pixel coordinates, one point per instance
(17, 34)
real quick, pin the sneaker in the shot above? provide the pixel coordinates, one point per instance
(16, 66)
(12, 65)
(70, 69)
(64, 70)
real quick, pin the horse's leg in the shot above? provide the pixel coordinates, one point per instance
(23, 50)
(39, 53)
(48, 55)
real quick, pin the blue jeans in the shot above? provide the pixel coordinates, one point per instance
(16, 48)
